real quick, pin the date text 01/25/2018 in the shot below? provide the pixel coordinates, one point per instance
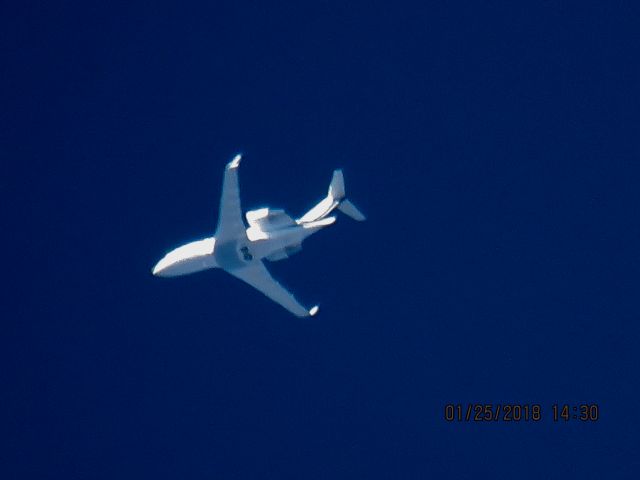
(513, 412)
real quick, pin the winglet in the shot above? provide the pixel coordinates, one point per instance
(314, 310)
(235, 162)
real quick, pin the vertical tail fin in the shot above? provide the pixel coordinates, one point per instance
(335, 199)
(336, 187)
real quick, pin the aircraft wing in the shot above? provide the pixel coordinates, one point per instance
(230, 224)
(257, 275)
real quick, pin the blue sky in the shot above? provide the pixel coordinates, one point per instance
(494, 150)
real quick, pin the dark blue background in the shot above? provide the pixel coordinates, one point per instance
(494, 147)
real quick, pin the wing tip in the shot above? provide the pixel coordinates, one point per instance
(235, 162)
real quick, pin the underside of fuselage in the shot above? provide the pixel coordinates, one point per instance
(236, 254)
(273, 245)
(233, 255)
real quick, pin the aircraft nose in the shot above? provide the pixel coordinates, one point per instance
(159, 268)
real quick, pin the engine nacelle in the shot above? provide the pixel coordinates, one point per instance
(269, 219)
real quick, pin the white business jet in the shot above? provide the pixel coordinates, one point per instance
(272, 235)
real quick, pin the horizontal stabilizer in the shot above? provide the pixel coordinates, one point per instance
(350, 209)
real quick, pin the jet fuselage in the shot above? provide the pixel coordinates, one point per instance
(207, 253)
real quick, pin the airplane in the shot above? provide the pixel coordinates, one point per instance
(272, 235)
